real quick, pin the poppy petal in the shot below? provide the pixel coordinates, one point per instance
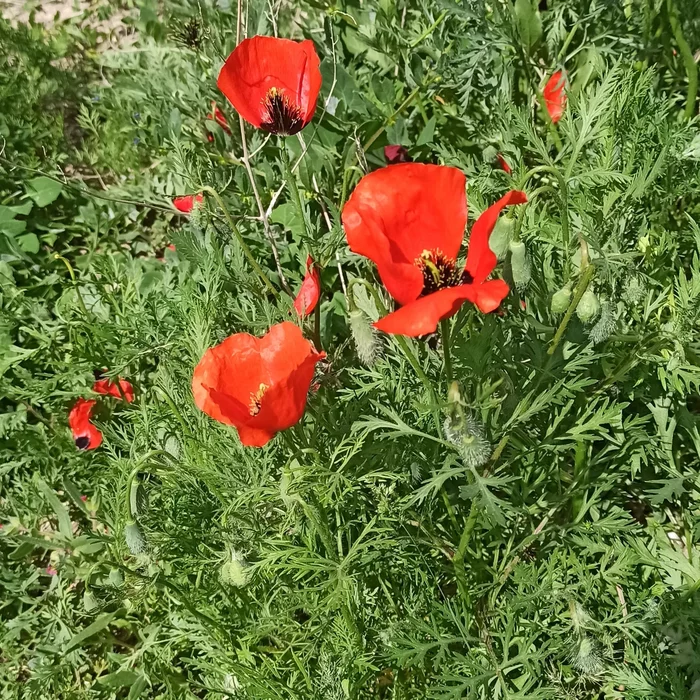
(310, 290)
(396, 154)
(504, 164)
(554, 94)
(398, 212)
(186, 203)
(86, 435)
(422, 316)
(123, 389)
(489, 295)
(264, 63)
(480, 258)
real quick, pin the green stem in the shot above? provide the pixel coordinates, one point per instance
(458, 560)
(75, 282)
(445, 333)
(429, 30)
(292, 184)
(691, 67)
(582, 286)
(239, 237)
(317, 327)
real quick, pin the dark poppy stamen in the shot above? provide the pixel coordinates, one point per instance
(82, 442)
(439, 271)
(466, 278)
(280, 114)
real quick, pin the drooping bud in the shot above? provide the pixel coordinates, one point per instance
(464, 431)
(585, 656)
(605, 326)
(588, 307)
(519, 265)
(134, 538)
(364, 336)
(501, 236)
(234, 572)
(89, 601)
(561, 300)
(115, 578)
(633, 291)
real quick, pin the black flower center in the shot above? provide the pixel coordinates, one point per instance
(82, 442)
(440, 272)
(280, 114)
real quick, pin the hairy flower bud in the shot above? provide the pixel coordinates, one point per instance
(605, 326)
(365, 337)
(561, 300)
(633, 291)
(134, 538)
(500, 238)
(234, 572)
(588, 307)
(519, 265)
(464, 431)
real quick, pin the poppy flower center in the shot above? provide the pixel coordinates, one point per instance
(82, 442)
(256, 400)
(440, 271)
(280, 114)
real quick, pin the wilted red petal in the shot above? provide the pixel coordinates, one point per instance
(480, 258)
(422, 316)
(123, 389)
(257, 385)
(216, 115)
(554, 94)
(504, 164)
(186, 203)
(310, 290)
(262, 64)
(398, 212)
(86, 435)
(396, 154)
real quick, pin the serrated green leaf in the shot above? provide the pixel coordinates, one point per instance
(43, 190)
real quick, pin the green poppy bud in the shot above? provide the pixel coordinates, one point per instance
(588, 307)
(365, 337)
(501, 236)
(134, 538)
(605, 325)
(467, 435)
(633, 291)
(89, 601)
(234, 572)
(519, 264)
(115, 578)
(561, 300)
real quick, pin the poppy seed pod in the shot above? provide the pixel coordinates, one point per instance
(364, 336)
(588, 307)
(561, 300)
(409, 219)
(519, 265)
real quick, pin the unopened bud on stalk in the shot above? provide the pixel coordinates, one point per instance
(588, 307)
(365, 337)
(134, 538)
(464, 431)
(89, 601)
(234, 572)
(633, 291)
(561, 300)
(500, 238)
(605, 326)
(519, 265)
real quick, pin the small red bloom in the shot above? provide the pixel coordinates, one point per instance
(396, 154)
(409, 219)
(83, 498)
(310, 290)
(86, 435)
(504, 164)
(273, 83)
(216, 115)
(186, 203)
(257, 385)
(171, 246)
(50, 571)
(555, 95)
(123, 389)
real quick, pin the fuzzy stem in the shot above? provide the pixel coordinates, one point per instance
(691, 67)
(582, 286)
(239, 237)
(445, 333)
(292, 184)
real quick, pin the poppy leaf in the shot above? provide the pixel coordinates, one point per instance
(97, 626)
(529, 22)
(29, 242)
(43, 190)
(426, 135)
(287, 217)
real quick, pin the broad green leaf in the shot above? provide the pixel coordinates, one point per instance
(29, 242)
(286, 216)
(529, 22)
(43, 190)
(119, 679)
(426, 135)
(49, 494)
(97, 626)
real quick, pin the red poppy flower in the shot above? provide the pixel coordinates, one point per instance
(504, 164)
(186, 203)
(309, 291)
(273, 83)
(257, 385)
(86, 435)
(107, 387)
(396, 154)
(216, 115)
(554, 94)
(409, 219)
